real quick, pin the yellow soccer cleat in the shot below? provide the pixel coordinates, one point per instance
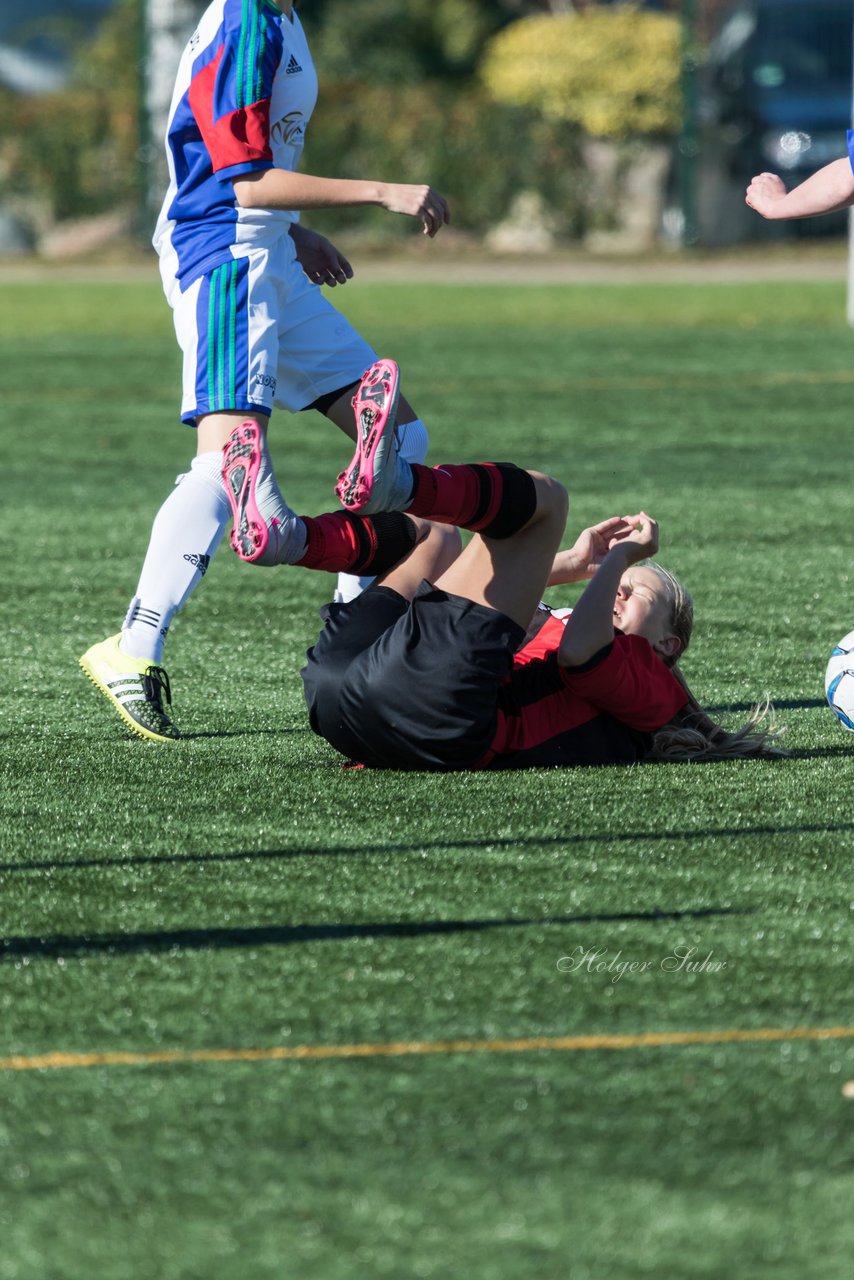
(134, 686)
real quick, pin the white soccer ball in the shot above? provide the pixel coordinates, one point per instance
(839, 681)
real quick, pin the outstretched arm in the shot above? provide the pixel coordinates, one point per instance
(282, 189)
(826, 191)
(590, 626)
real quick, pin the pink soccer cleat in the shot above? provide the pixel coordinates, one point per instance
(241, 466)
(377, 479)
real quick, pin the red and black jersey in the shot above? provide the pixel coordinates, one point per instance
(441, 682)
(604, 712)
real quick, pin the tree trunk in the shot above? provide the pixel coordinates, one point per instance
(625, 194)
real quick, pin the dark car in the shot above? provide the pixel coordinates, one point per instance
(775, 95)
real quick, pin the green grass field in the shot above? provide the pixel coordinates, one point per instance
(239, 894)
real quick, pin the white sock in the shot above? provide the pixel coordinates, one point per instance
(186, 532)
(413, 447)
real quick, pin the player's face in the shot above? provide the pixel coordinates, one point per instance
(642, 606)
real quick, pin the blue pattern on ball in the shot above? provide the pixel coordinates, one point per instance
(831, 693)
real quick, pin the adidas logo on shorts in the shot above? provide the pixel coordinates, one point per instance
(293, 67)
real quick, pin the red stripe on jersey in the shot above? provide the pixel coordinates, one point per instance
(546, 640)
(542, 703)
(631, 684)
(239, 137)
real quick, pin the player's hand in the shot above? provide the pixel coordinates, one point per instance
(765, 190)
(638, 537)
(591, 546)
(319, 259)
(418, 202)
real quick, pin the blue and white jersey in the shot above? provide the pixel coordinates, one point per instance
(245, 91)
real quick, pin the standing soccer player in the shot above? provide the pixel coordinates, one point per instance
(242, 277)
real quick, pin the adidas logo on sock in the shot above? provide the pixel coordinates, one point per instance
(200, 561)
(293, 67)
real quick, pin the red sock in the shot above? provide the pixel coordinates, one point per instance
(341, 542)
(467, 496)
(496, 499)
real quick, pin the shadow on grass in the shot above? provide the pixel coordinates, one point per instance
(442, 846)
(179, 940)
(784, 704)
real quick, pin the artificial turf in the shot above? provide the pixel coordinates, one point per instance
(238, 891)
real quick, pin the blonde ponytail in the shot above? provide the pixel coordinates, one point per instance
(693, 736)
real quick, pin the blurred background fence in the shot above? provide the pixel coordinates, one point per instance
(546, 123)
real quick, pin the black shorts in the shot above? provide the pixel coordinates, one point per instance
(399, 685)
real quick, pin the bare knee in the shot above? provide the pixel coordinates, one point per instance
(445, 542)
(552, 497)
(440, 544)
(437, 548)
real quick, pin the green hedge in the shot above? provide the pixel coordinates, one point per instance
(478, 153)
(77, 152)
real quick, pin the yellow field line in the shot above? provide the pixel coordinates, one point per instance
(302, 1052)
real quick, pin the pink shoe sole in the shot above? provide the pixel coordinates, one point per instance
(241, 462)
(375, 405)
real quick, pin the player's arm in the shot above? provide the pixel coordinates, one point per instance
(582, 559)
(590, 626)
(272, 188)
(826, 191)
(233, 117)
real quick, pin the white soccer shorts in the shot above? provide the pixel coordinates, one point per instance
(256, 333)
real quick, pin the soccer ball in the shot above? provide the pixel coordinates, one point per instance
(839, 681)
